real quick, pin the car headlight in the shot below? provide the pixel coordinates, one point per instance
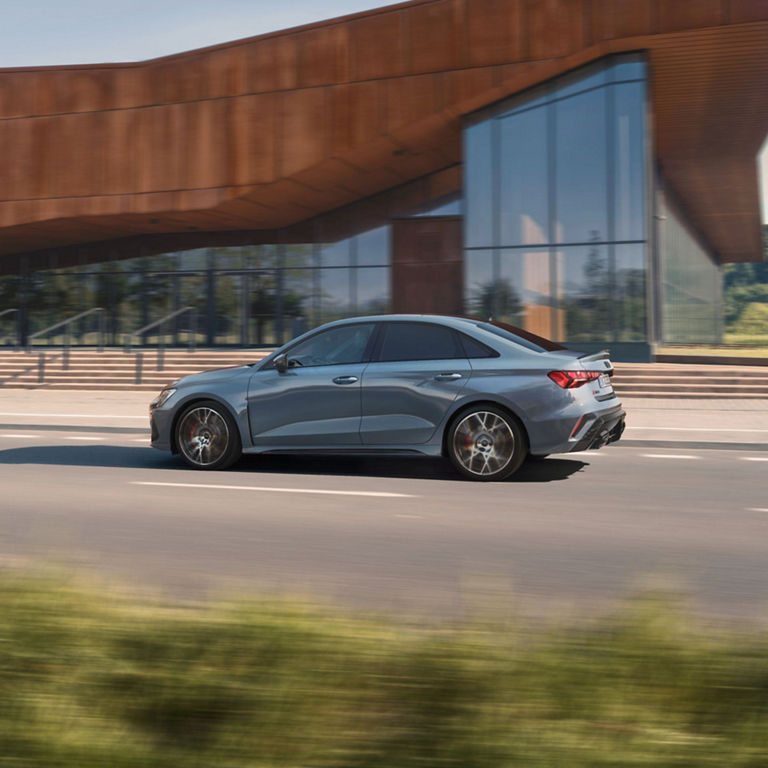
(162, 398)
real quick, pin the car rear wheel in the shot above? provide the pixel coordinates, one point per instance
(486, 443)
(207, 436)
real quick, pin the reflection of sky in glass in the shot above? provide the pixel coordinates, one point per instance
(588, 77)
(335, 292)
(478, 185)
(372, 290)
(628, 70)
(450, 208)
(629, 161)
(580, 170)
(523, 208)
(336, 254)
(373, 247)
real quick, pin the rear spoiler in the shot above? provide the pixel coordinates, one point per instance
(604, 354)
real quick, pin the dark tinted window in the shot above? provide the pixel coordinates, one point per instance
(474, 349)
(519, 336)
(343, 344)
(419, 341)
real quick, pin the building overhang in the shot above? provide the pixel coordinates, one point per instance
(272, 132)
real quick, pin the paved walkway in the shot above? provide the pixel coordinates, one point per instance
(734, 423)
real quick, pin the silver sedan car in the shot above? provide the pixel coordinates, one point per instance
(484, 394)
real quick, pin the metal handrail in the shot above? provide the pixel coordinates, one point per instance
(67, 324)
(161, 339)
(18, 330)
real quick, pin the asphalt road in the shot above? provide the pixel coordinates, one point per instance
(571, 533)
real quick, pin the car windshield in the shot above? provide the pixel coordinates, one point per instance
(518, 336)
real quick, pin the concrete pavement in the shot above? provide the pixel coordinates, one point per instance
(721, 423)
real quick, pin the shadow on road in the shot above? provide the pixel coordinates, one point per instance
(89, 456)
(356, 466)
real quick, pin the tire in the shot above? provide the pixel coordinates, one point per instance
(207, 436)
(486, 443)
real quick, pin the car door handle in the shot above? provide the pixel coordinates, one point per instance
(345, 380)
(447, 376)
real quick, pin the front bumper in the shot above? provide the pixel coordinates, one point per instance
(606, 428)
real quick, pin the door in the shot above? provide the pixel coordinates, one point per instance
(418, 371)
(316, 402)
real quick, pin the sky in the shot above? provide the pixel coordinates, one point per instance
(52, 32)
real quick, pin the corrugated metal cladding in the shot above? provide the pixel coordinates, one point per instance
(229, 144)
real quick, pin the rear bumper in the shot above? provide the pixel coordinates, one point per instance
(607, 427)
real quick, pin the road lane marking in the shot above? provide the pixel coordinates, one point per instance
(73, 415)
(668, 456)
(754, 458)
(700, 429)
(757, 509)
(269, 489)
(83, 437)
(19, 436)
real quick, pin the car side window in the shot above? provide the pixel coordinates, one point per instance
(475, 349)
(419, 341)
(337, 346)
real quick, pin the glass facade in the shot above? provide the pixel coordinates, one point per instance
(555, 184)
(254, 295)
(691, 281)
(555, 227)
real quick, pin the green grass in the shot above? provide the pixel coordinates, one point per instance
(91, 678)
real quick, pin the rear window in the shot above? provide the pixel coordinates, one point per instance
(519, 336)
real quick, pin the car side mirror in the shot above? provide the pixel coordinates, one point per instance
(281, 363)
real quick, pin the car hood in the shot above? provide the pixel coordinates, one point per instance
(213, 376)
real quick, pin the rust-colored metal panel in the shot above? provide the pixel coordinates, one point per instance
(435, 31)
(284, 128)
(675, 16)
(621, 18)
(410, 99)
(494, 31)
(273, 64)
(301, 129)
(356, 113)
(323, 56)
(744, 11)
(552, 28)
(378, 46)
(427, 265)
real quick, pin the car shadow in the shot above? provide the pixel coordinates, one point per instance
(411, 467)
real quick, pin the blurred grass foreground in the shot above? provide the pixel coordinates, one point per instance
(90, 678)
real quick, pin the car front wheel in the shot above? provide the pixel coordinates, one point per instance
(207, 436)
(486, 443)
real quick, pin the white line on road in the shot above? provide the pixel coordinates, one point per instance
(83, 437)
(700, 429)
(754, 458)
(74, 415)
(668, 456)
(757, 509)
(19, 436)
(266, 489)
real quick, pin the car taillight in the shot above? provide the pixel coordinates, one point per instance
(572, 379)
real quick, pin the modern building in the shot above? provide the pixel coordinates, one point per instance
(580, 168)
